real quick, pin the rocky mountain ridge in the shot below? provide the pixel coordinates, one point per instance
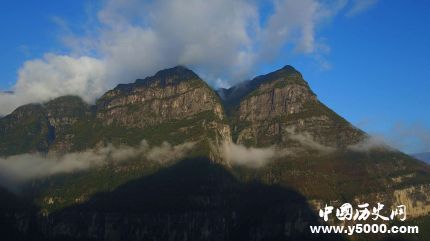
(265, 110)
(324, 158)
(173, 105)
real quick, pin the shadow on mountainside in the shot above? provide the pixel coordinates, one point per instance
(18, 220)
(191, 200)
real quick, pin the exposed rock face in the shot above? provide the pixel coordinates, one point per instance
(175, 105)
(280, 109)
(63, 114)
(415, 198)
(174, 95)
(171, 94)
(272, 107)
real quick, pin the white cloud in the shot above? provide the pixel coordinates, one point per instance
(210, 36)
(15, 170)
(308, 141)
(408, 137)
(220, 39)
(292, 20)
(253, 157)
(248, 156)
(56, 75)
(359, 6)
(370, 143)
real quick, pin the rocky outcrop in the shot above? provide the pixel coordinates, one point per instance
(174, 105)
(273, 107)
(170, 94)
(277, 110)
(175, 96)
(63, 114)
(414, 200)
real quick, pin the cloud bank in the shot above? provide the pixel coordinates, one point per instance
(54, 76)
(224, 41)
(15, 170)
(240, 155)
(370, 143)
(307, 140)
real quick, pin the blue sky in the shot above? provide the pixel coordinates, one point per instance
(380, 71)
(29, 30)
(371, 66)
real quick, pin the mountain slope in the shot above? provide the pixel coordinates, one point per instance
(318, 155)
(329, 159)
(271, 107)
(27, 129)
(425, 157)
(191, 200)
(174, 105)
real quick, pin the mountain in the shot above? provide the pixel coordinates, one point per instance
(265, 110)
(331, 159)
(317, 157)
(425, 156)
(173, 105)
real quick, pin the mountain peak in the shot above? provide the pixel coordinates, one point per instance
(178, 71)
(288, 68)
(287, 73)
(173, 76)
(170, 76)
(284, 76)
(66, 100)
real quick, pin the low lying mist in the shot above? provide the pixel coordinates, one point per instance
(249, 156)
(252, 157)
(307, 140)
(370, 143)
(17, 169)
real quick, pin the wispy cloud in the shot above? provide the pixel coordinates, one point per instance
(17, 169)
(412, 138)
(308, 141)
(253, 157)
(239, 155)
(360, 6)
(407, 137)
(369, 144)
(53, 76)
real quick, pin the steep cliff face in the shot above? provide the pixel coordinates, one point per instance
(175, 106)
(170, 95)
(271, 108)
(63, 114)
(279, 109)
(176, 102)
(201, 200)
